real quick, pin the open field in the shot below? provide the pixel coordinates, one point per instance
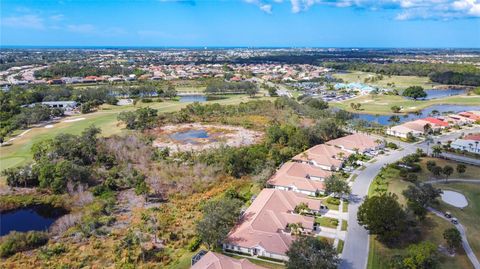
(401, 82)
(381, 104)
(472, 172)
(105, 118)
(432, 227)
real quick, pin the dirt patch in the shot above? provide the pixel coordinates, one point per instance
(196, 137)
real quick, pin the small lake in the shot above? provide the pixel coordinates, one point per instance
(38, 218)
(436, 94)
(199, 98)
(193, 98)
(189, 136)
(441, 109)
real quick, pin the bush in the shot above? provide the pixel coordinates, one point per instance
(392, 145)
(194, 244)
(16, 242)
(332, 201)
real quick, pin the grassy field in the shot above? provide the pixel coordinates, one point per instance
(105, 118)
(401, 82)
(470, 215)
(433, 227)
(381, 104)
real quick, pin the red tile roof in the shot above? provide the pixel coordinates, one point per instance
(213, 260)
(436, 121)
(298, 175)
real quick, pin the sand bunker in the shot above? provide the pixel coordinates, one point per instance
(454, 198)
(49, 126)
(196, 137)
(73, 120)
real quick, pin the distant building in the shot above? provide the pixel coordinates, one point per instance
(67, 105)
(472, 146)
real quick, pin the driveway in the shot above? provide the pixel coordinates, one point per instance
(355, 250)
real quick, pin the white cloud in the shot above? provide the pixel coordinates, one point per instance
(81, 28)
(24, 21)
(57, 17)
(266, 8)
(407, 9)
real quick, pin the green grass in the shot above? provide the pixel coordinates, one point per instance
(327, 222)
(401, 82)
(340, 246)
(381, 104)
(330, 203)
(472, 172)
(345, 206)
(470, 215)
(344, 225)
(105, 118)
(432, 228)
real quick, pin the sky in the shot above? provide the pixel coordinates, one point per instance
(241, 23)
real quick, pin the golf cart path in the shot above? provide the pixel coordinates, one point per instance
(465, 244)
(440, 181)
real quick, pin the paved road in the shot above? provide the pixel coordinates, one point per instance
(355, 250)
(465, 244)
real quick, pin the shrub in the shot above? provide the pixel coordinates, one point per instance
(392, 145)
(16, 242)
(194, 244)
(333, 201)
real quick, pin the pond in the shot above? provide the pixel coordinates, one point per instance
(438, 109)
(198, 98)
(193, 98)
(189, 136)
(435, 94)
(38, 218)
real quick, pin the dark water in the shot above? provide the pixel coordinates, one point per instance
(435, 94)
(193, 98)
(37, 218)
(384, 119)
(189, 136)
(199, 98)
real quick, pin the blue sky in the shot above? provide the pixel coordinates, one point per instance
(292, 23)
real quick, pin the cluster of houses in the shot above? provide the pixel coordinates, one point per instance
(469, 143)
(269, 225)
(419, 127)
(278, 72)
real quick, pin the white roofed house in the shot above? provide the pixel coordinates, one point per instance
(467, 145)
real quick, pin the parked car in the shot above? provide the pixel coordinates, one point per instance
(448, 214)
(454, 221)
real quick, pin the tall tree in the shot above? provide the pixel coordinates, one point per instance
(219, 217)
(382, 215)
(453, 238)
(310, 253)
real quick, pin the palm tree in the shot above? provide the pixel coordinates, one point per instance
(436, 150)
(427, 129)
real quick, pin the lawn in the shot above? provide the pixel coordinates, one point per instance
(432, 228)
(401, 82)
(470, 215)
(105, 118)
(472, 172)
(327, 222)
(381, 104)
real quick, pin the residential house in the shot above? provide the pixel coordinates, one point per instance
(324, 156)
(472, 146)
(212, 260)
(299, 177)
(475, 137)
(437, 123)
(357, 142)
(415, 128)
(268, 226)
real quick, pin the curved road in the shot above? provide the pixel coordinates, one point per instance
(466, 246)
(355, 250)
